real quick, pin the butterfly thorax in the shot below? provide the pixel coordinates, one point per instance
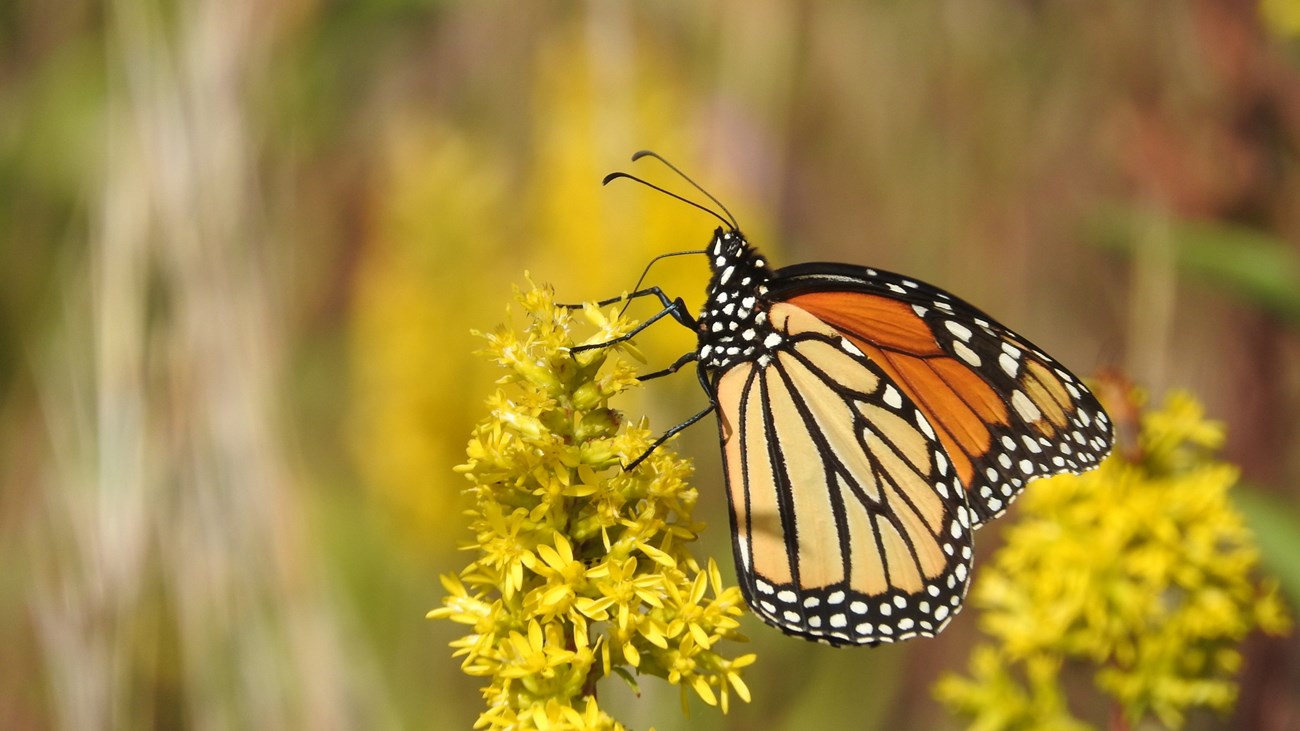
(733, 326)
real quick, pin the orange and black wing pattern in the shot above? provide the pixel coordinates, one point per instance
(850, 525)
(1003, 411)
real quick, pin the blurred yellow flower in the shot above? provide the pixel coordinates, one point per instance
(1141, 569)
(1283, 16)
(432, 227)
(581, 568)
(452, 217)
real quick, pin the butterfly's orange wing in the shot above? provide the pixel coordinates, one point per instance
(1004, 411)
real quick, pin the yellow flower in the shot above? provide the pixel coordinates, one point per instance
(1141, 569)
(581, 568)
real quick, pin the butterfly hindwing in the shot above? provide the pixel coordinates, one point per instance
(849, 524)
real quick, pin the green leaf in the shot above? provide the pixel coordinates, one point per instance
(1276, 525)
(1253, 264)
(628, 678)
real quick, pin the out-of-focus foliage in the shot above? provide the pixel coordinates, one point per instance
(440, 247)
(1141, 570)
(1262, 269)
(1283, 16)
(583, 569)
(1277, 531)
(434, 237)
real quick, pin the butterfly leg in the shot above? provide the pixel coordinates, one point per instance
(649, 291)
(676, 366)
(674, 308)
(669, 435)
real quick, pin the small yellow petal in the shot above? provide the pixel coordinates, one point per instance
(701, 687)
(742, 690)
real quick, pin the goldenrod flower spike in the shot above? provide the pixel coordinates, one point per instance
(580, 570)
(1140, 571)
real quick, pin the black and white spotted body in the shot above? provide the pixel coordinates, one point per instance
(733, 325)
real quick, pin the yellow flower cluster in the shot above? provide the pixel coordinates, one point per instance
(1140, 570)
(582, 568)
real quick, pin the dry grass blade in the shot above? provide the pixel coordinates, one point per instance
(173, 581)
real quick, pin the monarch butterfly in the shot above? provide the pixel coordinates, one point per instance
(869, 424)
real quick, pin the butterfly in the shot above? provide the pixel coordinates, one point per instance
(869, 423)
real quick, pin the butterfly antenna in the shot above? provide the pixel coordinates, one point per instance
(688, 201)
(687, 178)
(644, 272)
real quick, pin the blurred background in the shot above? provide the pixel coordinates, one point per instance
(243, 244)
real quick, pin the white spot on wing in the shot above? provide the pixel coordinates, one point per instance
(965, 353)
(924, 425)
(1025, 407)
(958, 329)
(1009, 365)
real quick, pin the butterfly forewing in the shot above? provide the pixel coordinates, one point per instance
(1005, 412)
(849, 524)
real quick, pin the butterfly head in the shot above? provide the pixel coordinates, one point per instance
(729, 250)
